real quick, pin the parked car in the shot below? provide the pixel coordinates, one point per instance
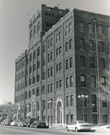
(22, 124)
(14, 123)
(79, 125)
(38, 124)
(7, 122)
(29, 121)
(3, 122)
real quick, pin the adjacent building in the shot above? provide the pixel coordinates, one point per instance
(59, 78)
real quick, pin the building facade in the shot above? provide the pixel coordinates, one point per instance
(68, 56)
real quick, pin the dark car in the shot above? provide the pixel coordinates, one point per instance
(38, 124)
(29, 121)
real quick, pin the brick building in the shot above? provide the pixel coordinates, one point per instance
(68, 54)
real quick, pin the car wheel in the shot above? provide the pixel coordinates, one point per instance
(67, 129)
(76, 129)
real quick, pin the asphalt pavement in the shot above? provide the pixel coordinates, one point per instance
(10, 130)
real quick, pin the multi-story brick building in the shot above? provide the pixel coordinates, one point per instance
(68, 54)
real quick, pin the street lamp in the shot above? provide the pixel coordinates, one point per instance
(83, 97)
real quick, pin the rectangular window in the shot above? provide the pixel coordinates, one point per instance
(59, 50)
(59, 35)
(67, 82)
(92, 62)
(70, 28)
(101, 46)
(94, 103)
(71, 100)
(57, 68)
(38, 64)
(81, 26)
(48, 72)
(38, 51)
(30, 69)
(82, 44)
(91, 28)
(60, 67)
(67, 101)
(67, 65)
(104, 103)
(71, 62)
(43, 75)
(100, 30)
(82, 61)
(83, 81)
(33, 80)
(51, 56)
(51, 88)
(66, 46)
(56, 85)
(71, 81)
(51, 71)
(38, 78)
(70, 44)
(60, 84)
(57, 38)
(66, 30)
(93, 81)
(102, 63)
(34, 67)
(48, 88)
(30, 57)
(92, 45)
(34, 54)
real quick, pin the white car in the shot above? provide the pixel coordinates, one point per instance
(79, 125)
(14, 123)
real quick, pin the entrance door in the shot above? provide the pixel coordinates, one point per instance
(59, 113)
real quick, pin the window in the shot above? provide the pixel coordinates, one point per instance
(38, 27)
(71, 100)
(81, 26)
(93, 81)
(105, 118)
(34, 31)
(51, 71)
(30, 69)
(108, 30)
(82, 61)
(57, 85)
(92, 62)
(60, 84)
(66, 46)
(67, 101)
(101, 46)
(48, 88)
(102, 63)
(38, 78)
(38, 64)
(29, 93)
(82, 44)
(94, 103)
(34, 67)
(66, 30)
(71, 62)
(38, 51)
(51, 87)
(51, 56)
(70, 44)
(100, 30)
(91, 29)
(70, 27)
(104, 103)
(67, 65)
(30, 35)
(60, 67)
(30, 57)
(37, 91)
(57, 52)
(92, 45)
(56, 68)
(43, 89)
(71, 81)
(59, 35)
(57, 38)
(43, 75)
(103, 80)
(34, 54)
(83, 81)
(33, 79)
(43, 48)
(67, 82)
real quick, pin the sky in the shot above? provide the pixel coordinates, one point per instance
(14, 34)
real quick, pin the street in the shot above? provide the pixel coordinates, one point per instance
(10, 130)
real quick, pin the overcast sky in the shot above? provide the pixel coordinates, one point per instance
(14, 33)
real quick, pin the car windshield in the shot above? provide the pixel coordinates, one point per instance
(81, 121)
